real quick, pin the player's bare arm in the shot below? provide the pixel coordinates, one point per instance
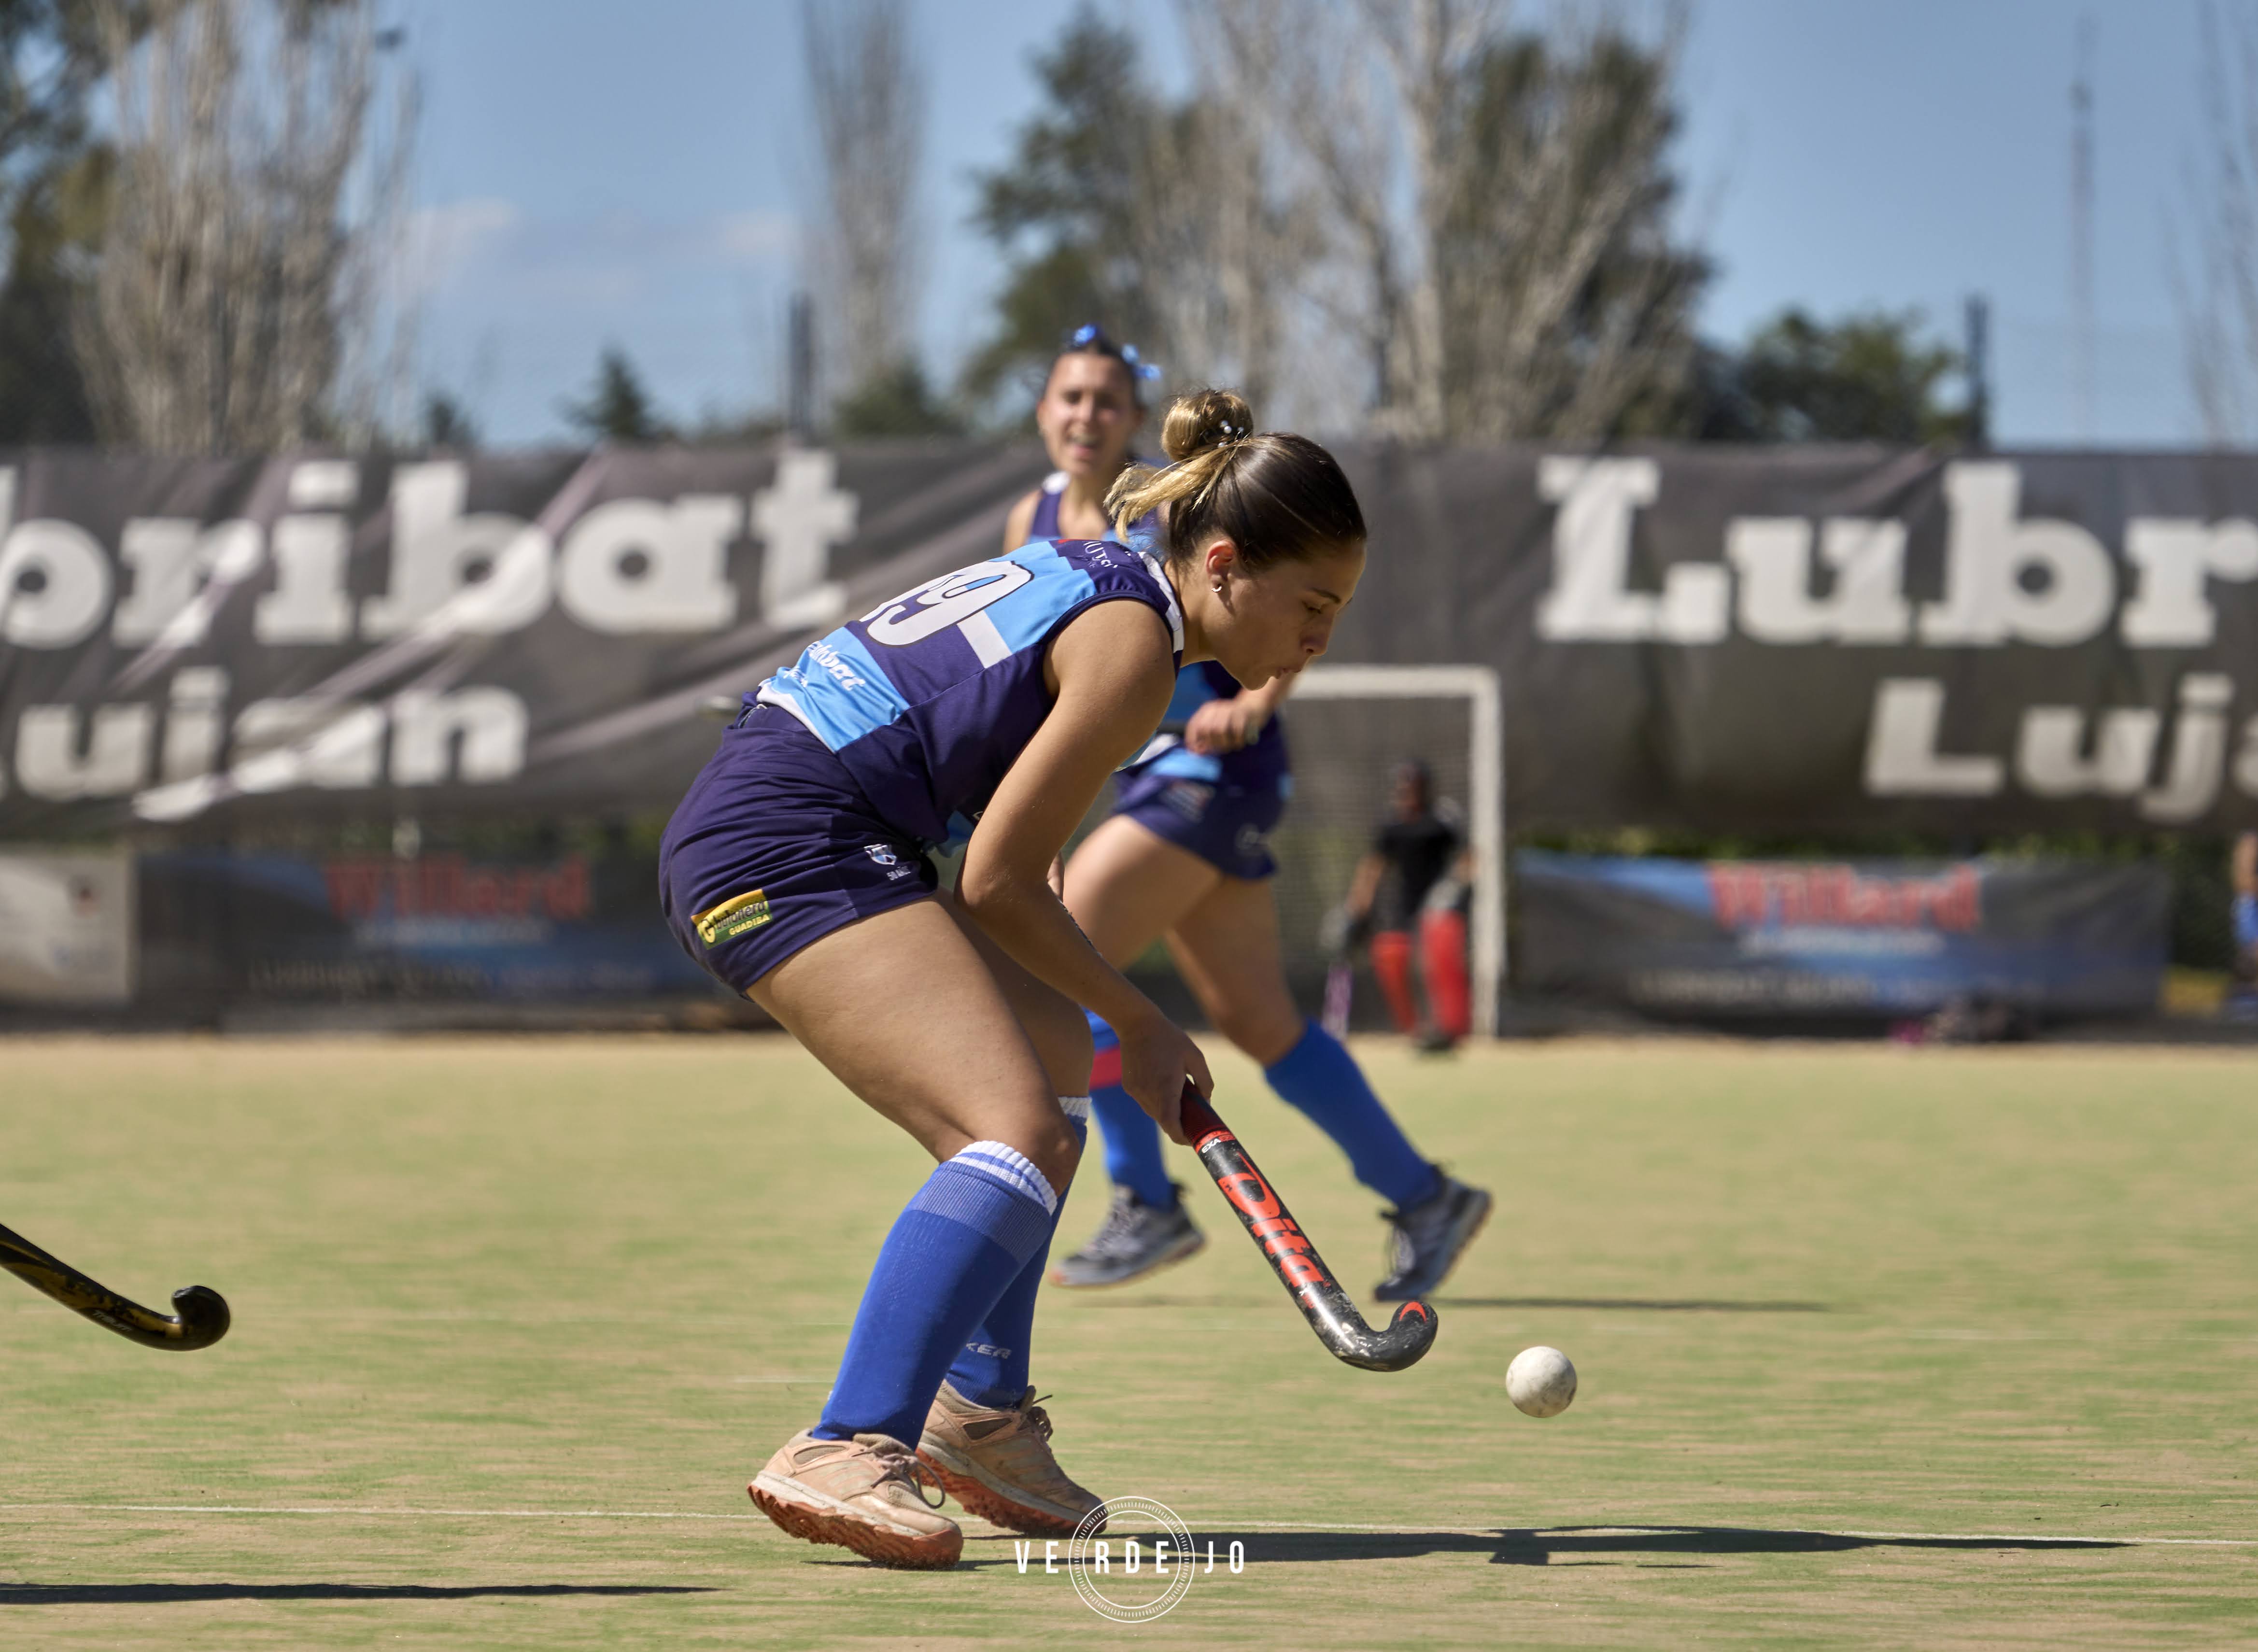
(1114, 674)
(1230, 724)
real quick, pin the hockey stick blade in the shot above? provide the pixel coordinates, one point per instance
(201, 1320)
(1295, 1261)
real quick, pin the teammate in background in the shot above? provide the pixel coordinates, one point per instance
(1417, 874)
(1183, 855)
(990, 703)
(1091, 409)
(2242, 999)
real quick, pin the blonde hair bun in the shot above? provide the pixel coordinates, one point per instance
(1274, 495)
(1204, 419)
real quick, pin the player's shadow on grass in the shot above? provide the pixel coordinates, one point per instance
(1640, 1304)
(1509, 1546)
(91, 1594)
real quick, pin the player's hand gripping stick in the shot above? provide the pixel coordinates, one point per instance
(1295, 1261)
(202, 1319)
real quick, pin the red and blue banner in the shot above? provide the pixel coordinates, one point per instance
(1843, 939)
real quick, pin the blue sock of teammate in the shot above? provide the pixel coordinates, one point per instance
(1319, 1076)
(1132, 1140)
(1132, 1145)
(992, 1368)
(952, 1253)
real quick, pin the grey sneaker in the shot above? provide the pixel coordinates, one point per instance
(1136, 1238)
(1429, 1239)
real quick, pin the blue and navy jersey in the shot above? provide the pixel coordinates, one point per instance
(928, 699)
(1262, 765)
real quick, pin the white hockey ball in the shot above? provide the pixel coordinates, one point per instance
(1541, 1381)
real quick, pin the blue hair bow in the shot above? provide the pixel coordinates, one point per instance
(1143, 368)
(1090, 333)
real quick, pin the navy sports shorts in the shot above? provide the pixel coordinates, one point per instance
(1228, 826)
(774, 846)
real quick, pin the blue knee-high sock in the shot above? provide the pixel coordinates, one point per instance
(1132, 1145)
(992, 1368)
(1319, 1076)
(963, 1240)
(1132, 1140)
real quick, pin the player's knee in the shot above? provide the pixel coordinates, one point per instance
(1267, 1028)
(1055, 1149)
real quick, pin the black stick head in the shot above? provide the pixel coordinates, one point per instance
(1409, 1335)
(203, 1317)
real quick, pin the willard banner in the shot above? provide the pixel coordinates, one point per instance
(1868, 938)
(1737, 640)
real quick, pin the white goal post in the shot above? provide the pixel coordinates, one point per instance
(1478, 686)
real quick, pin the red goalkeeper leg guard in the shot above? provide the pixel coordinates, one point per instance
(1391, 961)
(1443, 952)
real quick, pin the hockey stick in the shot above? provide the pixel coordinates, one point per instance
(1295, 1261)
(202, 1319)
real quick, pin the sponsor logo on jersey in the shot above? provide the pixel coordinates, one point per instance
(733, 918)
(828, 657)
(886, 856)
(1188, 798)
(1250, 841)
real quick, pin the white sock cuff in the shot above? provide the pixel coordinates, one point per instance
(1076, 1107)
(1012, 1167)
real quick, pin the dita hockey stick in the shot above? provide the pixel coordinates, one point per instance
(1295, 1261)
(202, 1318)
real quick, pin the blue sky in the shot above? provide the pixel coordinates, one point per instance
(593, 172)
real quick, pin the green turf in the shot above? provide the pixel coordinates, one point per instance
(1810, 1291)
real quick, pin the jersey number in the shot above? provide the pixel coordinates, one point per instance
(951, 599)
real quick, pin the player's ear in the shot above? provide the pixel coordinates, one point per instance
(1220, 559)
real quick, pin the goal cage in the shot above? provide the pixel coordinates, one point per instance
(1348, 727)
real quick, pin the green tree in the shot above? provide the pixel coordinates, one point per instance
(1565, 301)
(618, 407)
(898, 403)
(54, 199)
(1055, 208)
(447, 423)
(1870, 377)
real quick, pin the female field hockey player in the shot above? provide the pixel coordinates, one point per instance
(1183, 855)
(990, 703)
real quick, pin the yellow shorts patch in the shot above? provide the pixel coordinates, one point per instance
(732, 918)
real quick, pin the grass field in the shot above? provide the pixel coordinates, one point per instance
(1878, 1347)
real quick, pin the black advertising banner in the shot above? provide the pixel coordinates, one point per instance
(218, 926)
(1742, 640)
(1759, 939)
(185, 641)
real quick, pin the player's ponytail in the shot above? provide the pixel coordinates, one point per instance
(1277, 496)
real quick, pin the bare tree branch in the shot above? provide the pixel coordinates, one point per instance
(239, 287)
(1495, 200)
(869, 93)
(2218, 301)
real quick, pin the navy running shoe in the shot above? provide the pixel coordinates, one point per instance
(1136, 1239)
(1429, 1239)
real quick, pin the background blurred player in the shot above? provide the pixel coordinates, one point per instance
(991, 703)
(1416, 878)
(1185, 854)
